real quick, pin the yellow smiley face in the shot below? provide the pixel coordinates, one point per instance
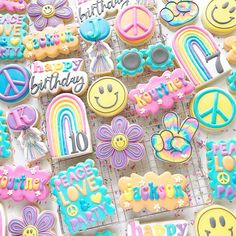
(120, 142)
(107, 96)
(30, 230)
(48, 11)
(215, 221)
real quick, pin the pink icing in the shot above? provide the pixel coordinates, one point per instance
(12, 6)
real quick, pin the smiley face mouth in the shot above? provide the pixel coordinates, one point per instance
(107, 107)
(220, 22)
(208, 232)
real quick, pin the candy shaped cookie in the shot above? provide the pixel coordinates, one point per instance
(230, 46)
(231, 81)
(13, 6)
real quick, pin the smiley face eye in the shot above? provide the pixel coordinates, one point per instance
(232, 10)
(222, 221)
(109, 88)
(212, 222)
(225, 5)
(101, 90)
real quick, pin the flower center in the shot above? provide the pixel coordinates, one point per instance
(48, 11)
(30, 230)
(120, 142)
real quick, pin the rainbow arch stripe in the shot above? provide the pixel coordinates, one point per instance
(66, 114)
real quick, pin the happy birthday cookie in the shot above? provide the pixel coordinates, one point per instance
(230, 46)
(13, 6)
(82, 197)
(231, 81)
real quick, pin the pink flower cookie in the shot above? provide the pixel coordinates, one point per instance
(13, 6)
(120, 142)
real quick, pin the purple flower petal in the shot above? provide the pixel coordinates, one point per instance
(119, 124)
(16, 227)
(47, 234)
(119, 160)
(54, 21)
(60, 3)
(40, 23)
(34, 10)
(64, 12)
(45, 2)
(104, 151)
(104, 133)
(30, 215)
(135, 151)
(45, 222)
(134, 133)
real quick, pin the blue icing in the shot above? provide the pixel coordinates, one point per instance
(231, 80)
(105, 233)
(82, 197)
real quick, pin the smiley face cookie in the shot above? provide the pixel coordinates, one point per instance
(219, 16)
(216, 221)
(107, 96)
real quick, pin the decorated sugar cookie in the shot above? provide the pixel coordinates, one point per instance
(135, 25)
(96, 31)
(67, 127)
(120, 142)
(217, 113)
(13, 28)
(13, 6)
(51, 42)
(105, 233)
(165, 228)
(160, 92)
(22, 119)
(230, 46)
(82, 197)
(153, 192)
(231, 81)
(3, 223)
(199, 55)
(173, 143)
(23, 183)
(222, 168)
(33, 223)
(219, 16)
(215, 220)
(53, 77)
(107, 96)
(178, 13)
(49, 13)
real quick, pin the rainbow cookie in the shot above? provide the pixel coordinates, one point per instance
(219, 17)
(33, 223)
(222, 168)
(160, 92)
(67, 127)
(23, 183)
(52, 77)
(13, 28)
(153, 192)
(230, 46)
(215, 220)
(135, 25)
(51, 42)
(13, 6)
(217, 113)
(178, 13)
(82, 197)
(3, 221)
(173, 143)
(199, 55)
(231, 81)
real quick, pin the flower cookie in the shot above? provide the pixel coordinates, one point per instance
(23, 183)
(173, 143)
(3, 220)
(13, 28)
(178, 13)
(153, 192)
(222, 168)
(135, 25)
(231, 81)
(199, 55)
(97, 31)
(107, 96)
(230, 46)
(215, 220)
(219, 16)
(33, 223)
(120, 142)
(160, 92)
(13, 6)
(82, 197)
(51, 42)
(217, 113)
(22, 119)
(49, 13)
(68, 130)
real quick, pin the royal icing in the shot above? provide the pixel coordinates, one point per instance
(51, 42)
(222, 168)
(49, 13)
(68, 130)
(178, 13)
(23, 183)
(3, 224)
(230, 46)
(96, 31)
(231, 81)
(173, 143)
(219, 110)
(22, 119)
(215, 220)
(82, 197)
(120, 142)
(33, 223)
(160, 92)
(105, 233)
(153, 192)
(199, 55)
(13, 28)
(165, 228)
(107, 96)
(52, 77)
(13, 6)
